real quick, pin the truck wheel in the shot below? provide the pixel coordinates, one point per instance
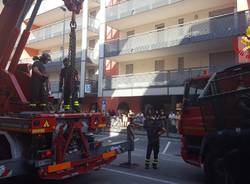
(222, 176)
(209, 168)
(215, 170)
(5, 153)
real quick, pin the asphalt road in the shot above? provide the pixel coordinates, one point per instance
(172, 170)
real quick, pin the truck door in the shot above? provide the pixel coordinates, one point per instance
(191, 124)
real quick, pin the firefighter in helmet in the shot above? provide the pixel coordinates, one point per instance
(39, 81)
(69, 84)
(155, 128)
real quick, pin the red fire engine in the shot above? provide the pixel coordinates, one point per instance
(215, 125)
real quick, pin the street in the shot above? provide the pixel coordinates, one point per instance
(172, 170)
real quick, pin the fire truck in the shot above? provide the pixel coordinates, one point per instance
(215, 125)
(54, 145)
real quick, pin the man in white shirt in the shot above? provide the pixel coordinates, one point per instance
(172, 118)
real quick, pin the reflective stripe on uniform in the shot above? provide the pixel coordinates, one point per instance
(76, 103)
(66, 107)
(155, 161)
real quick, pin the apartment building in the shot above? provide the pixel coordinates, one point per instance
(140, 51)
(152, 46)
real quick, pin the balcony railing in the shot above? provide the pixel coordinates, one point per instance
(93, 25)
(57, 55)
(169, 78)
(55, 65)
(92, 54)
(132, 7)
(207, 29)
(90, 86)
(97, 1)
(56, 29)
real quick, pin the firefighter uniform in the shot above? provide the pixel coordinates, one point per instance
(70, 84)
(154, 128)
(39, 81)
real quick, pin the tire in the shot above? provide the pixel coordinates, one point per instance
(222, 176)
(215, 170)
(209, 168)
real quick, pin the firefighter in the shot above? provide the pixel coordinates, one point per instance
(39, 81)
(154, 127)
(69, 84)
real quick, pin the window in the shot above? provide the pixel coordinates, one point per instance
(181, 21)
(92, 44)
(160, 32)
(221, 12)
(192, 91)
(91, 74)
(160, 26)
(129, 68)
(130, 33)
(180, 63)
(159, 65)
(46, 51)
(180, 29)
(196, 17)
(92, 13)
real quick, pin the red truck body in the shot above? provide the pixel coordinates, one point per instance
(191, 123)
(215, 124)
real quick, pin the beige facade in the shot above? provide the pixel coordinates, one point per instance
(191, 60)
(160, 44)
(173, 21)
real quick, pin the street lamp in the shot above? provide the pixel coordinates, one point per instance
(64, 28)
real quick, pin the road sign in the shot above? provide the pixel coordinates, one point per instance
(104, 102)
(87, 88)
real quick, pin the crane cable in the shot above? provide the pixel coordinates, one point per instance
(72, 41)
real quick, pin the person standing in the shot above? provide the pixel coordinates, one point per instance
(154, 128)
(178, 119)
(69, 82)
(164, 120)
(39, 81)
(172, 119)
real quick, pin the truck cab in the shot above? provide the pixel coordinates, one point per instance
(215, 125)
(191, 124)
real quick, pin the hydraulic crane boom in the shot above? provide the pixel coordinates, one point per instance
(13, 91)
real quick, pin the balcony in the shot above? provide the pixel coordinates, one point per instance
(92, 59)
(94, 3)
(90, 87)
(171, 78)
(214, 28)
(131, 13)
(55, 65)
(132, 7)
(56, 30)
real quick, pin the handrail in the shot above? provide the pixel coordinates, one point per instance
(172, 70)
(179, 25)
